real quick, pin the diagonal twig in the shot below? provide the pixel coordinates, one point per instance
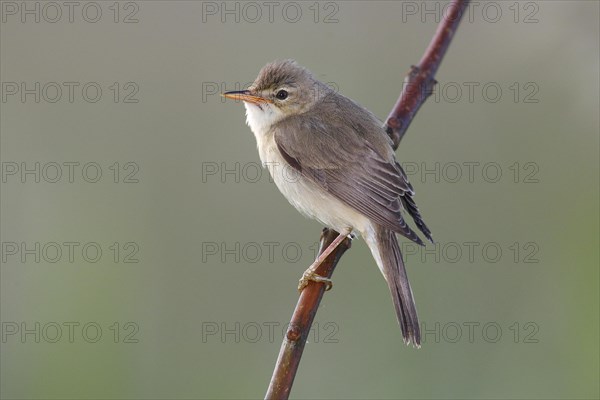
(302, 319)
(418, 85)
(419, 82)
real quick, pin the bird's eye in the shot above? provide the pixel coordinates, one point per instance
(282, 94)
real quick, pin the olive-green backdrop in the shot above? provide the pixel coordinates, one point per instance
(146, 255)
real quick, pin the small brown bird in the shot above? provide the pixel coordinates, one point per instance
(333, 161)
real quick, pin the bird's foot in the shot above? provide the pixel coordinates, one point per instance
(311, 275)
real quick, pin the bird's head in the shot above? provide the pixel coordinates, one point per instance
(282, 89)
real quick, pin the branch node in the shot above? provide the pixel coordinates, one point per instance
(293, 333)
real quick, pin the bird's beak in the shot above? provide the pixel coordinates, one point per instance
(246, 95)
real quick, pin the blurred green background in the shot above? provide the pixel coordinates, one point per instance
(509, 298)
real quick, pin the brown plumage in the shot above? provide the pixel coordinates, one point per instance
(347, 175)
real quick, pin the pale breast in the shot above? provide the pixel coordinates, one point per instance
(312, 201)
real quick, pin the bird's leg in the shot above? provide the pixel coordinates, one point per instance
(310, 275)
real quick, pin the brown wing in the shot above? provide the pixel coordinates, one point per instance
(350, 166)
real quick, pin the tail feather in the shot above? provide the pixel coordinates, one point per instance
(384, 246)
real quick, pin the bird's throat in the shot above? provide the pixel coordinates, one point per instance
(261, 119)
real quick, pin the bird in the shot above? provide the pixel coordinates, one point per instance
(333, 161)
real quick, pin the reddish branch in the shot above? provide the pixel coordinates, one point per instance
(302, 319)
(417, 87)
(420, 80)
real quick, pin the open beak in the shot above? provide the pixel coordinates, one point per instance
(245, 95)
